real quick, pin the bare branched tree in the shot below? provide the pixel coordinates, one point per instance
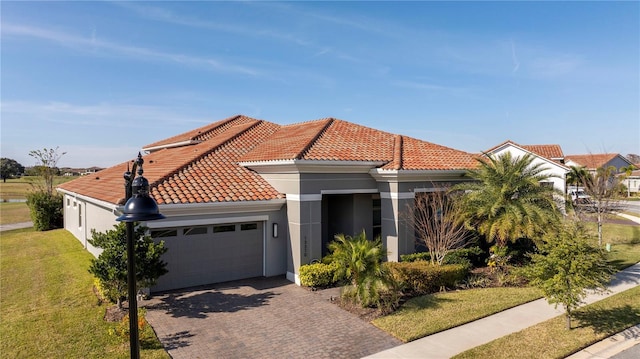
(604, 188)
(47, 161)
(435, 218)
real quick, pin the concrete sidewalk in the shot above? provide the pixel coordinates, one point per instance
(457, 340)
(12, 226)
(629, 217)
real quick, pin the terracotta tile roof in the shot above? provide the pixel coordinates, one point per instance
(552, 152)
(592, 161)
(345, 141)
(216, 177)
(204, 167)
(422, 155)
(336, 140)
(204, 172)
(290, 142)
(202, 133)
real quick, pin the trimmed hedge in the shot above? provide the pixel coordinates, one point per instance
(413, 257)
(472, 257)
(46, 210)
(318, 275)
(421, 277)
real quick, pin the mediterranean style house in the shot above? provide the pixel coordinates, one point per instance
(550, 157)
(593, 161)
(245, 197)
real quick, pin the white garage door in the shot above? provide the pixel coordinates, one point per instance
(210, 254)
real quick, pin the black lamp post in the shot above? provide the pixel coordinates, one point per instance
(139, 207)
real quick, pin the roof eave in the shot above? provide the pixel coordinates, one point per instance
(104, 204)
(417, 175)
(311, 166)
(213, 208)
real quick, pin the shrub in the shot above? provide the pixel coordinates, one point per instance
(420, 277)
(421, 256)
(46, 210)
(471, 257)
(318, 275)
(360, 261)
(111, 265)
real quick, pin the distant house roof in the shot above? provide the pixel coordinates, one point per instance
(551, 152)
(593, 161)
(204, 165)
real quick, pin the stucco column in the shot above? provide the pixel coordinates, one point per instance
(304, 213)
(397, 235)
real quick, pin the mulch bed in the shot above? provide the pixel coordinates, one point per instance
(114, 314)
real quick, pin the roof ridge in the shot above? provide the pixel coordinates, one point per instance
(397, 152)
(315, 138)
(200, 156)
(223, 123)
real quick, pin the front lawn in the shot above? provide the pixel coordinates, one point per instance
(426, 315)
(625, 243)
(550, 339)
(429, 314)
(47, 304)
(14, 212)
(17, 188)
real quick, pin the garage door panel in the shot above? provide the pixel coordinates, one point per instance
(213, 257)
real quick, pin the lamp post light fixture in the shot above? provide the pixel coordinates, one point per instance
(139, 207)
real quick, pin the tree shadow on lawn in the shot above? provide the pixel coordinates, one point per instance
(608, 321)
(426, 301)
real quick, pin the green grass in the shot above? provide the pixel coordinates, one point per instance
(550, 339)
(425, 315)
(625, 243)
(14, 212)
(47, 304)
(17, 188)
(430, 314)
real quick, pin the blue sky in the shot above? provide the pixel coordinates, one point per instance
(102, 79)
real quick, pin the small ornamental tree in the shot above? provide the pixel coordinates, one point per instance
(435, 219)
(567, 265)
(111, 265)
(604, 189)
(47, 161)
(44, 204)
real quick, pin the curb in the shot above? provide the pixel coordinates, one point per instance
(610, 346)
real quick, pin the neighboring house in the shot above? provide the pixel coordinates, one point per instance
(632, 182)
(550, 156)
(593, 161)
(246, 198)
(90, 171)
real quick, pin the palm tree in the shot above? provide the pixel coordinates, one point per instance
(577, 175)
(507, 201)
(360, 260)
(627, 172)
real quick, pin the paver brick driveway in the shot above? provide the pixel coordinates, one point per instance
(260, 318)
